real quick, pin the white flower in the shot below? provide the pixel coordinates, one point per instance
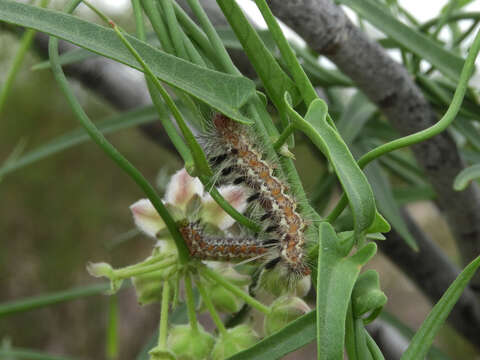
(181, 190)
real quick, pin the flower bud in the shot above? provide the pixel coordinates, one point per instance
(161, 354)
(148, 287)
(237, 339)
(103, 269)
(278, 284)
(222, 299)
(283, 311)
(189, 344)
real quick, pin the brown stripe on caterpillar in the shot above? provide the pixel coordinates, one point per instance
(209, 247)
(242, 161)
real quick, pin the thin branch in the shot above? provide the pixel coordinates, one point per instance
(328, 31)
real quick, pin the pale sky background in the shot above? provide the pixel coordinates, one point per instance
(423, 10)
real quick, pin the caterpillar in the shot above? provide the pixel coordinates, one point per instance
(213, 247)
(235, 154)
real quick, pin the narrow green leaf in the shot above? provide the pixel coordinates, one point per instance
(445, 61)
(67, 58)
(326, 77)
(79, 136)
(467, 129)
(408, 194)
(295, 335)
(225, 93)
(27, 354)
(353, 180)
(403, 167)
(40, 301)
(433, 354)
(465, 176)
(275, 80)
(230, 40)
(357, 112)
(336, 277)
(385, 200)
(424, 337)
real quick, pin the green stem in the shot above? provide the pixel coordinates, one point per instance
(25, 44)
(136, 270)
(112, 328)
(453, 17)
(211, 309)
(162, 333)
(207, 272)
(284, 136)
(190, 300)
(373, 348)
(425, 134)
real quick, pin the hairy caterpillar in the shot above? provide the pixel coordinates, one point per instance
(213, 247)
(235, 154)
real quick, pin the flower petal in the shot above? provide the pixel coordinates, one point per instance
(214, 214)
(181, 188)
(146, 217)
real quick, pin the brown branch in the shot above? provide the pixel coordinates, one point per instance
(327, 30)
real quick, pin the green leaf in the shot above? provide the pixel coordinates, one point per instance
(357, 112)
(79, 136)
(230, 40)
(318, 73)
(433, 354)
(445, 61)
(367, 295)
(465, 176)
(275, 80)
(27, 354)
(408, 194)
(40, 301)
(295, 335)
(336, 277)
(225, 93)
(335, 280)
(467, 129)
(403, 167)
(353, 180)
(385, 200)
(70, 57)
(424, 337)
(379, 225)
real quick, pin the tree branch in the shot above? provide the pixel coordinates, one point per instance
(328, 31)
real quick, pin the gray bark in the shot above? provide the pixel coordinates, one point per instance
(325, 27)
